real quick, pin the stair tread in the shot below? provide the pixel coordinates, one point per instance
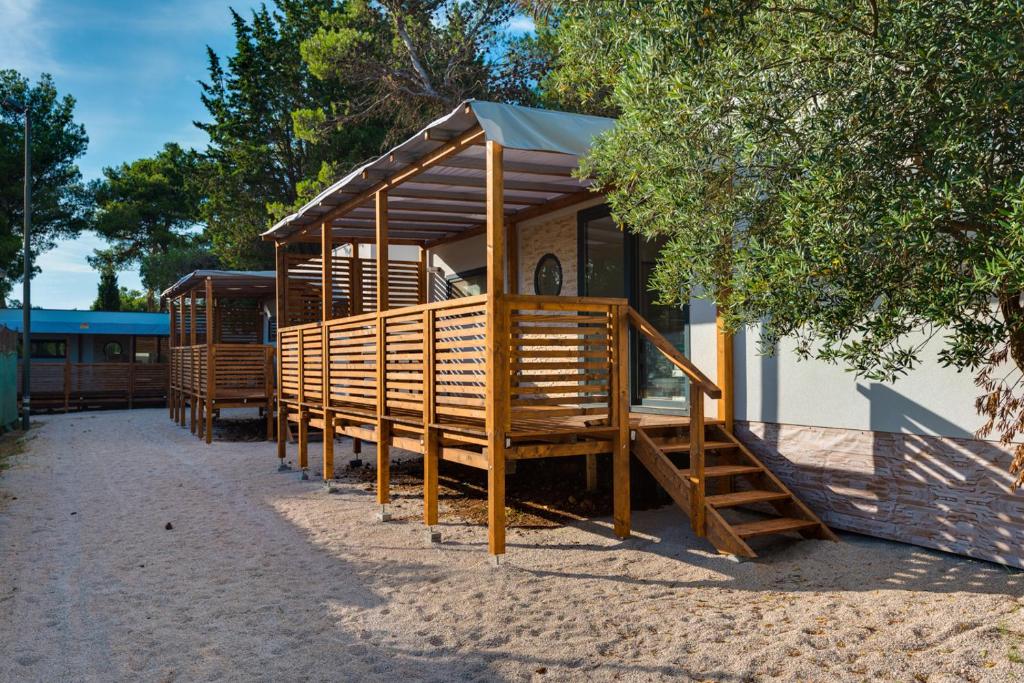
(775, 525)
(724, 470)
(672, 446)
(744, 497)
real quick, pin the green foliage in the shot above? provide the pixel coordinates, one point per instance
(398, 63)
(60, 203)
(160, 271)
(256, 161)
(148, 208)
(847, 174)
(136, 301)
(107, 294)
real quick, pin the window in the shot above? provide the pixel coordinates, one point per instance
(467, 283)
(49, 349)
(547, 277)
(112, 350)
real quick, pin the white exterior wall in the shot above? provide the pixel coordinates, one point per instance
(931, 400)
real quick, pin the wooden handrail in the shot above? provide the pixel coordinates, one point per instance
(699, 379)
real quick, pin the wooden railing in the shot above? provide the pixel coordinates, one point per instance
(427, 364)
(66, 385)
(240, 370)
(353, 286)
(700, 386)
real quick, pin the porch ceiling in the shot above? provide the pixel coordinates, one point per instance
(445, 198)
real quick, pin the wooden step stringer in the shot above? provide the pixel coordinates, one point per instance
(727, 538)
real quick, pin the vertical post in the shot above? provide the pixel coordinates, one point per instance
(697, 459)
(303, 416)
(268, 390)
(326, 313)
(280, 282)
(26, 283)
(620, 407)
(211, 360)
(171, 400)
(497, 403)
(726, 406)
(355, 287)
(131, 372)
(355, 304)
(193, 306)
(513, 258)
(431, 451)
(181, 360)
(67, 373)
(421, 277)
(383, 426)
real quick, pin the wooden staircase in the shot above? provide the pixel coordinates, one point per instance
(733, 478)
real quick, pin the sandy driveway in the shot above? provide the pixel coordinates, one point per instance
(264, 577)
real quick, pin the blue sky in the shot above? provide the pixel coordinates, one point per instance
(133, 67)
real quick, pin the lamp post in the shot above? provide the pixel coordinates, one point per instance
(26, 300)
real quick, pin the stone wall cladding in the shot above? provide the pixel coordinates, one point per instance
(942, 493)
(556, 236)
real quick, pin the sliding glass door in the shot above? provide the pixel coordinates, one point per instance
(616, 264)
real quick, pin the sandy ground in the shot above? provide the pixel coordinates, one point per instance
(265, 577)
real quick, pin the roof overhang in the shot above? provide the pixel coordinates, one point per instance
(242, 284)
(436, 180)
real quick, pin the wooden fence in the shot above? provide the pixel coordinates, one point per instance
(84, 385)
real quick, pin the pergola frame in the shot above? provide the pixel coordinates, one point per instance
(433, 200)
(208, 372)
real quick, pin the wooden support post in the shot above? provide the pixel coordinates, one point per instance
(513, 258)
(301, 409)
(326, 313)
(620, 410)
(211, 359)
(355, 288)
(131, 372)
(171, 401)
(697, 460)
(421, 278)
(181, 360)
(303, 441)
(726, 406)
(431, 452)
(383, 426)
(193, 309)
(497, 380)
(590, 462)
(67, 372)
(268, 379)
(280, 315)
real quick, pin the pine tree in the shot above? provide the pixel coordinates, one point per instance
(108, 294)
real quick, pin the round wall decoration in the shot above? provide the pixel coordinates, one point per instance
(547, 277)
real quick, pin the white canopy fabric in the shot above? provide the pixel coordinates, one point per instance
(542, 150)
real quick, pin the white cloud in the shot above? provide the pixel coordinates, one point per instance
(521, 24)
(26, 38)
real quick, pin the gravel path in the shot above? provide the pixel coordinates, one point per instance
(265, 577)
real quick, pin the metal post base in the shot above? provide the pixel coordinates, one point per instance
(305, 475)
(433, 535)
(331, 486)
(384, 515)
(496, 560)
(284, 467)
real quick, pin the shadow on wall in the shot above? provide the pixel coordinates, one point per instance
(951, 493)
(769, 378)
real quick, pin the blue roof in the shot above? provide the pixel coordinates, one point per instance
(48, 321)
